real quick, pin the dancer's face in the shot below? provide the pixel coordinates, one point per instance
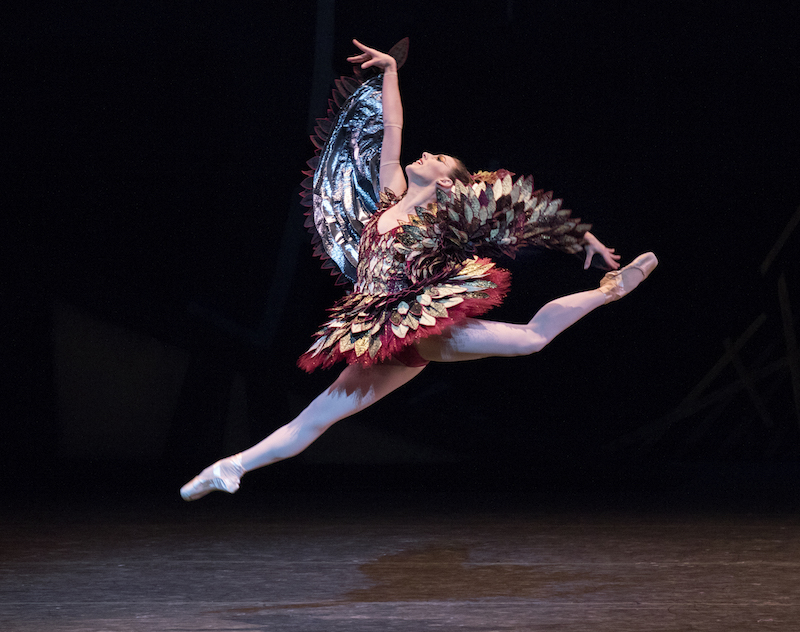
(431, 168)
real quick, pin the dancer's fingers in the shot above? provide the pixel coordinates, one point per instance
(365, 61)
(366, 49)
(370, 57)
(357, 59)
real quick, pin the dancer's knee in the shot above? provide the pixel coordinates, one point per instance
(298, 434)
(530, 342)
(313, 420)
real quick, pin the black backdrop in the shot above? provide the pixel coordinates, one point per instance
(154, 159)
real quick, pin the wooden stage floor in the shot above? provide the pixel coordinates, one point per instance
(228, 564)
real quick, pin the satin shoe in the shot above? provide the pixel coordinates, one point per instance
(224, 476)
(618, 283)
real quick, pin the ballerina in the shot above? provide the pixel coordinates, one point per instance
(417, 259)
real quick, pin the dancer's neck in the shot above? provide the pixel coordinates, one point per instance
(416, 196)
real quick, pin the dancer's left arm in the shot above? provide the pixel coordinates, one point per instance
(592, 246)
(391, 173)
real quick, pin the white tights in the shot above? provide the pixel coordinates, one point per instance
(358, 387)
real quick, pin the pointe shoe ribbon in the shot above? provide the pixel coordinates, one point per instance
(618, 283)
(224, 476)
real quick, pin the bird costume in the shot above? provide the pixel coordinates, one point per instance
(423, 275)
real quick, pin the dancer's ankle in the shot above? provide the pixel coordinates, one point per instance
(617, 284)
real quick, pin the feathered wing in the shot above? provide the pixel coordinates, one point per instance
(496, 215)
(341, 189)
(342, 183)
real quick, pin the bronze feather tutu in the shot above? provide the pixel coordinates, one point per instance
(371, 326)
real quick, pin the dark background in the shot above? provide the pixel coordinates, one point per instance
(159, 284)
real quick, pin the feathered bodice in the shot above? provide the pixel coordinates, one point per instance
(381, 268)
(493, 216)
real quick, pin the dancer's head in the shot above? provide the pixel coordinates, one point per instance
(440, 169)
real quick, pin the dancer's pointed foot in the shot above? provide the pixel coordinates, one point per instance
(618, 283)
(223, 475)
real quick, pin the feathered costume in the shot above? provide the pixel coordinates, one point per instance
(423, 276)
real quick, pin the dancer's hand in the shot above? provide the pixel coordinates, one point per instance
(593, 246)
(371, 57)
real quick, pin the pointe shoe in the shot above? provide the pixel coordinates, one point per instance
(618, 283)
(224, 476)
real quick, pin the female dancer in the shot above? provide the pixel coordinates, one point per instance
(418, 281)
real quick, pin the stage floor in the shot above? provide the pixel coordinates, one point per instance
(225, 564)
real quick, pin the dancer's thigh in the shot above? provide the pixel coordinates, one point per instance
(474, 338)
(358, 387)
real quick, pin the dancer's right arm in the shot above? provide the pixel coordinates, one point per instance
(592, 245)
(391, 174)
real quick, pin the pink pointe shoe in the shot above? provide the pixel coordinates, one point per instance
(224, 476)
(618, 283)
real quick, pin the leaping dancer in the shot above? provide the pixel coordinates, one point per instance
(419, 256)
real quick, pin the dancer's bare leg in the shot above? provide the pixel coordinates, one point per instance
(358, 387)
(355, 389)
(476, 338)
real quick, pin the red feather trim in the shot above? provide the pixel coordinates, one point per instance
(391, 344)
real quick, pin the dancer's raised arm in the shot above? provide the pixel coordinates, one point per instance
(391, 174)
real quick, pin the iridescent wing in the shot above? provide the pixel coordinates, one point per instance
(341, 190)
